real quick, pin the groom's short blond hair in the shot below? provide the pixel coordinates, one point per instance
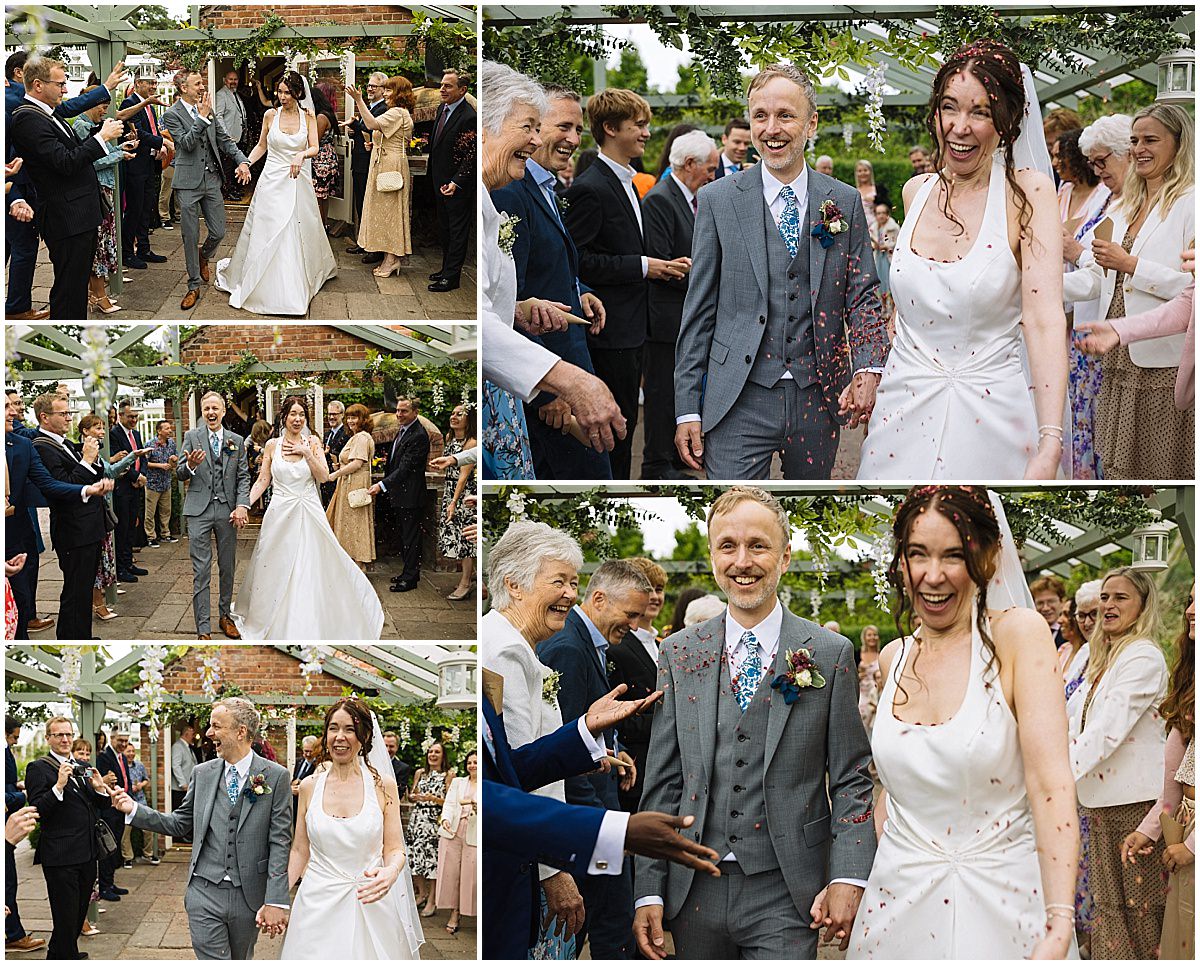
(740, 494)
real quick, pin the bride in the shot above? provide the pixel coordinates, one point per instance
(283, 255)
(301, 584)
(976, 280)
(355, 902)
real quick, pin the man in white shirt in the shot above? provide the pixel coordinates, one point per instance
(183, 762)
(735, 145)
(777, 785)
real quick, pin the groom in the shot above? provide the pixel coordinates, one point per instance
(782, 334)
(217, 503)
(777, 783)
(239, 814)
(200, 138)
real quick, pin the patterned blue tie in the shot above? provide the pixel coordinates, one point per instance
(789, 221)
(750, 673)
(216, 446)
(233, 786)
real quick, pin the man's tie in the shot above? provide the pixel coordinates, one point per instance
(695, 205)
(437, 134)
(789, 221)
(750, 673)
(232, 785)
(153, 121)
(216, 446)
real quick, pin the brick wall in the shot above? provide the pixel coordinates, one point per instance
(223, 16)
(218, 344)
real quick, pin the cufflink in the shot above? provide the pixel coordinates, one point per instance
(601, 865)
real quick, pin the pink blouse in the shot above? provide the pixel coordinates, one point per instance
(1172, 792)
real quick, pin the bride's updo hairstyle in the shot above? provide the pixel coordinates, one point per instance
(970, 512)
(998, 70)
(294, 84)
(360, 716)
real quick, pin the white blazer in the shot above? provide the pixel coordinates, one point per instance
(1118, 757)
(503, 650)
(452, 812)
(1157, 279)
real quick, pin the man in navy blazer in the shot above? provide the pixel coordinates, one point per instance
(141, 194)
(30, 484)
(129, 494)
(547, 265)
(617, 595)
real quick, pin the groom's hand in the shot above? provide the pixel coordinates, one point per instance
(272, 920)
(689, 443)
(836, 912)
(647, 929)
(858, 398)
(608, 711)
(123, 802)
(242, 173)
(194, 457)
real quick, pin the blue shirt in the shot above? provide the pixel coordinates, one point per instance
(160, 479)
(597, 637)
(137, 772)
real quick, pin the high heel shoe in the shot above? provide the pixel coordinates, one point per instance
(106, 306)
(382, 272)
(104, 613)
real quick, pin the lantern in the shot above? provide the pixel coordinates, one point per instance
(1151, 543)
(458, 686)
(1177, 77)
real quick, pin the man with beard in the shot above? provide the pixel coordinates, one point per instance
(729, 751)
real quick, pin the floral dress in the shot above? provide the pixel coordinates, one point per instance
(327, 166)
(423, 825)
(451, 542)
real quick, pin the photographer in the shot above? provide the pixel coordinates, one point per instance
(68, 796)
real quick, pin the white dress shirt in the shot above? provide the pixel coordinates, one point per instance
(688, 194)
(625, 174)
(648, 640)
(58, 793)
(62, 441)
(731, 167)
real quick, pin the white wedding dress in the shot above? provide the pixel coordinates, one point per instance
(956, 874)
(283, 255)
(301, 584)
(954, 401)
(327, 920)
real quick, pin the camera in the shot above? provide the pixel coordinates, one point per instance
(81, 770)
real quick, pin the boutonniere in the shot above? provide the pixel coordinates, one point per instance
(802, 672)
(256, 786)
(231, 446)
(563, 203)
(550, 684)
(832, 223)
(610, 668)
(508, 233)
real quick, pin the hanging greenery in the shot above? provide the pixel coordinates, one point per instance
(549, 48)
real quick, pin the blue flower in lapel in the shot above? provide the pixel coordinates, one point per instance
(256, 787)
(802, 673)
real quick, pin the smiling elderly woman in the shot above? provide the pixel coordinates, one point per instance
(533, 577)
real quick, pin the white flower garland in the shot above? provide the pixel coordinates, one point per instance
(516, 504)
(851, 599)
(151, 689)
(814, 603)
(848, 135)
(95, 365)
(876, 125)
(455, 734)
(438, 396)
(405, 731)
(72, 670)
(312, 660)
(785, 596)
(210, 671)
(881, 552)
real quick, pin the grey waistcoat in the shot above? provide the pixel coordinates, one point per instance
(217, 858)
(737, 789)
(789, 329)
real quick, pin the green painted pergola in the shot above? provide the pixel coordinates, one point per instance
(911, 88)
(1177, 505)
(109, 36)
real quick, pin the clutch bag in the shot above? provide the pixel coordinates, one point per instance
(389, 181)
(358, 498)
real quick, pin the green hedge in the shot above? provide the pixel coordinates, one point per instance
(891, 174)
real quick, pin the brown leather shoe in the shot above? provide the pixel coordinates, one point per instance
(35, 315)
(203, 636)
(36, 626)
(205, 271)
(229, 629)
(190, 299)
(26, 944)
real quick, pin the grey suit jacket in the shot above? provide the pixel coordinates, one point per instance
(728, 290)
(189, 136)
(225, 105)
(264, 831)
(819, 832)
(235, 471)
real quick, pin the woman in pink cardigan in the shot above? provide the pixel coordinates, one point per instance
(1175, 810)
(1170, 318)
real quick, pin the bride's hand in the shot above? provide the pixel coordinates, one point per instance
(297, 165)
(1044, 464)
(384, 878)
(1056, 943)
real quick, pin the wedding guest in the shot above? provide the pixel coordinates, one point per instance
(868, 675)
(77, 531)
(735, 143)
(533, 579)
(81, 753)
(128, 496)
(824, 164)
(387, 206)
(256, 446)
(870, 192)
(663, 168)
(918, 157)
(404, 484)
(1117, 750)
(60, 166)
(354, 526)
(617, 595)
(229, 107)
(335, 439)
(92, 426)
(327, 165)
(428, 794)
(1053, 124)
(400, 768)
(458, 845)
(1142, 435)
(67, 847)
(669, 215)
(139, 780)
(1174, 813)
(703, 608)
(1048, 595)
(183, 762)
(309, 747)
(360, 158)
(604, 218)
(160, 463)
(110, 762)
(1073, 638)
(884, 232)
(452, 175)
(547, 266)
(140, 190)
(16, 939)
(1087, 195)
(105, 261)
(635, 664)
(682, 602)
(454, 513)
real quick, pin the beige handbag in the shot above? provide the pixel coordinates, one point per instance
(389, 181)
(358, 498)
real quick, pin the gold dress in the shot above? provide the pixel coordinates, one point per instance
(387, 215)
(354, 528)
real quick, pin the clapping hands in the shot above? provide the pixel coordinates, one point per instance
(271, 920)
